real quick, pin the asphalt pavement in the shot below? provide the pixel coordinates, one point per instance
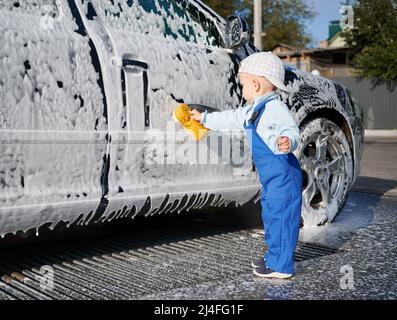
(206, 254)
(378, 167)
(364, 267)
(364, 233)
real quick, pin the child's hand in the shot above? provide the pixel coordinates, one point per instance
(194, 114)
(283, 144)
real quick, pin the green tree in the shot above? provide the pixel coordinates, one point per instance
(283, 20)
(374, 40)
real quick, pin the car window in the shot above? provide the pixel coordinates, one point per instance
(213, 37)
(36, 7)
(177, 19)
(48, 79)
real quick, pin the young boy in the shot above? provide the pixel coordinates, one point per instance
(273, 135)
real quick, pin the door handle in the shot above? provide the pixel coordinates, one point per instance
(135, 63)
(127, 63)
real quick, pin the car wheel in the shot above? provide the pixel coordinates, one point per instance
(327, 168)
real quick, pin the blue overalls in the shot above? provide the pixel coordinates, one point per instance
(281, 198)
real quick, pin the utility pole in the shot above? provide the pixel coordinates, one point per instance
(258, 24)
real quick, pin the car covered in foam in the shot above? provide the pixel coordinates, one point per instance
(87, 89)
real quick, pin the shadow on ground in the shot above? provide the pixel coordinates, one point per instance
(375, 185)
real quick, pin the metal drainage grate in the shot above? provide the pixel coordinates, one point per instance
(306, 251)
(131, 266)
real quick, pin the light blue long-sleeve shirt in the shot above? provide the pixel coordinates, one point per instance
(276, 121)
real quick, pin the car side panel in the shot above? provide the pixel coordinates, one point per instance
(53, 124)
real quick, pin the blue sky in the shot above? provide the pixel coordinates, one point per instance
(327, 10)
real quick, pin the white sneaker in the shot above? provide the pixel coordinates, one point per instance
(265, 272)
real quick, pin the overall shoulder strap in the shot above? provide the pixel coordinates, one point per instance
(259, 110)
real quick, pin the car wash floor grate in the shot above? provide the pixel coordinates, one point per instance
(129, 266)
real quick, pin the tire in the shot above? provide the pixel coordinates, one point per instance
(327, 167)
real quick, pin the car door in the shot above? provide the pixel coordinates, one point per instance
(168, 52)
(53, 127)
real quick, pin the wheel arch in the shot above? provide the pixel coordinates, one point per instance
(338, 118)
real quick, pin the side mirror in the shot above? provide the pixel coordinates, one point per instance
(237, 32)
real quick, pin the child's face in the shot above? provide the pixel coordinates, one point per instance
(254, 86)
(249, 87)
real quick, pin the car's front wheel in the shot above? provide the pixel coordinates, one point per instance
(327, 167)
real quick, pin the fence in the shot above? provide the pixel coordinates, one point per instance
(379, 103)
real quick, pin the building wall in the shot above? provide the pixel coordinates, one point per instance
(300, 62)
(331, 70)
(326, 69)
(337, 42)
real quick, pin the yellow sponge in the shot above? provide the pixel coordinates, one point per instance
(195, 128)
